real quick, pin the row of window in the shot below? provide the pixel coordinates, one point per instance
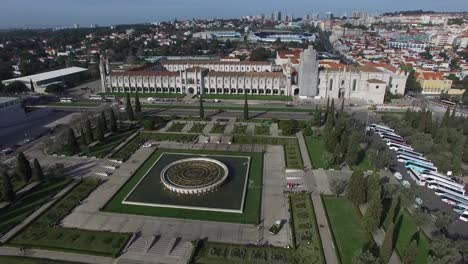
(206, 90)
(219, 68)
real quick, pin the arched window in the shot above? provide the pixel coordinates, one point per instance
(331, 84)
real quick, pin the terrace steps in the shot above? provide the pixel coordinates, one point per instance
(182, 249)
(163, 246)
(141, 244)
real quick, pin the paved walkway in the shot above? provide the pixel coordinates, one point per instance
(34, 215)
(55, 255)
(320, 214)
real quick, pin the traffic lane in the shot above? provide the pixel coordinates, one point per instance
(230, 113)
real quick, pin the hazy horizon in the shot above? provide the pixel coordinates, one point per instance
(61, 13)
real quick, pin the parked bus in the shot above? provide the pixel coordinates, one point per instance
(459, 208)
(419, 167)
(397, 142)
(416, 161)
(410, 157)
(416, 177)
(389, 137)
(383, 134)
(66, 100)
(455, 199)
(405, 152)
(381, 127)
(95, 97)
(446, 102)
(396, 146)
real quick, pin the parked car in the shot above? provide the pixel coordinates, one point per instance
(148, 145)
(406, 184)
(398, 175)
(276, 227)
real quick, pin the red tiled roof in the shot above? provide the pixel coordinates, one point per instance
(215, 62)
(429, 75)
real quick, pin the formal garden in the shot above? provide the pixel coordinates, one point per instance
(239, 129)
(197, 128)
(218, 128)
(262, 130)
(176, 127)
(30, 260)
(45, 232)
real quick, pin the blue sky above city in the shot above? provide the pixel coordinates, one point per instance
(44, 13)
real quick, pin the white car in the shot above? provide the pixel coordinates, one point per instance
(148, 145)
(406, 184)
(398, 176)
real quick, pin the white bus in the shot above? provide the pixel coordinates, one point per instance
(409, 152)
(464, 216)
(397, 142)
(410, 157)
(95, 97)
(397, 138)
(455, 199)
(419, 167)
(405, 159)
(416, 177)
(383, 133)
(380, 127)
(66, 100)
(396, 146)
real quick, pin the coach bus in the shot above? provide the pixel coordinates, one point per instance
(419, 167)
(410, 157)
(409, 152)
(380, 127)
(416, 177)
(455, 199)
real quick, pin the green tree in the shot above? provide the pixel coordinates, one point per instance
(365, 257)
(356, 191)
(428, 125)
(201, 108)
(411, 253)
(38, 174)
(331, 139)
(246, 107)
(422, 121)
(137, 104)
(112, 121)
(129, 109)
(71, 146)
(373, 214)
(89, 131)
(445, 118)
(386, 250)
(327, 108)
(31, 85)
(308, 131)
(15, 87)
(330, 116)
(83, 137)
(458, 154)
(103, 121)
(374, 187)
(443, 251)
(54, 89)
(23, 168)
(441, 137)
(100, 129)
(318, 116)
(8, 194)
(148, 124)
(465, 95)
(465, 152)
(352, 153)
(435, 127)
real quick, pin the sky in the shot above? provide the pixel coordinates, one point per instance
(51, 13)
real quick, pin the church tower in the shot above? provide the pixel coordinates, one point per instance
(308, 73)
(104, 69)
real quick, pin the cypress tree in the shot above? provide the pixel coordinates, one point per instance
(201, 108)
(129, 109)
(38, 174)
(317, 116)
(72, 144)
(465, 152)
(83, 136)
(373, 213)
(428, 126)
(446, 118)
(8, 194)
(32, 85)
(331, 139)
(327, 109)
(356, 192)
(89, 131)
(411, 253)
(452, 119)
(137, 104)
(422, 121)
(435, 127)
(104, 122)
(100, 130)
(374, 188)
(246, 107)
(330, 121)
(352, 153)
(386, 250)
(23, 168)
(112, 121)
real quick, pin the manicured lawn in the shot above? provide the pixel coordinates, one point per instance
(262, 130)
(197, 128)
(44, 232)
(364, 165)
(291, 148)
(218, 129)
(405, 231)
(317, 152)
(239, 129)
(251, 212)
(249, 97)
(347, 228)
(19, 210)
(305, 229)
(28, 260)
(146, 95)
(109, 143)
(176, 127)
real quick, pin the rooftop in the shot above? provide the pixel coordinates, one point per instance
(48, 75)
(7, 99)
